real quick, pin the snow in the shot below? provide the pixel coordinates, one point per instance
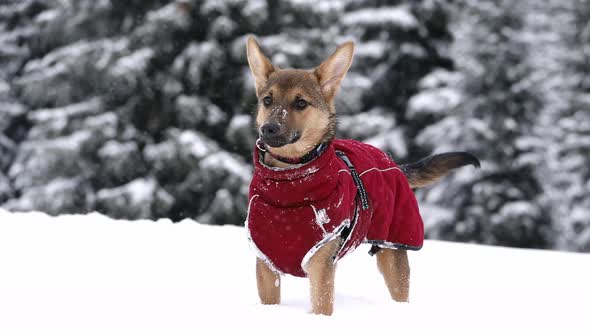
(47, 16)
(197, 144)
(138, 192)
(514, 210)
(53, 197)
(5, 189)
(255, 8)
(320, 7)
(6, 142)
(92, 273)
(228, 162)
(114, 149)
(9, 50)
(135, 62)
(71, 52)
(91, 106)
(138, 197)
(276, 42)
(440, 78)
(399, 16)
(433, 102)
(37, 73)
(4, 88)
(393, 141)
(432, 214)
(370, 49)
(321, 217)
(239, 121)
(363, 125)
(73, 142)
(195, 57)
(223, 26)
(174, 13)
(12, 36)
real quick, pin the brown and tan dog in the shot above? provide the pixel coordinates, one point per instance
(295, 114)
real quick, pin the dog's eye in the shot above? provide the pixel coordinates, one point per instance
(267, 100)
(301, 104)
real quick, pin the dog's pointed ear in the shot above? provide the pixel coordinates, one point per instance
(331, 72)
(260, 66)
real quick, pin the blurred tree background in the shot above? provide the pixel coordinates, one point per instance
(143, 109)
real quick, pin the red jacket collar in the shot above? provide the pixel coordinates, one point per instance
(298, 185)
(295, 172)
(315, 152)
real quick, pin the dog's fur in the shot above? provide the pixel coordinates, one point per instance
(298, 105)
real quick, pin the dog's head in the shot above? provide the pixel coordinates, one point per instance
(296, 107)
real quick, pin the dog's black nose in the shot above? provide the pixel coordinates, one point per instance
(270, 130)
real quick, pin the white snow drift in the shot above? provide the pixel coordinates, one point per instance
(91, 273)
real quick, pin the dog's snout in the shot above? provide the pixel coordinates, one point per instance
(270, 129)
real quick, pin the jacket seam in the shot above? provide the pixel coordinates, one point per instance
(379, 169)
(253, 245)
(325, 240)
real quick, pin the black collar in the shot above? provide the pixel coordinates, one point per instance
(316, 151)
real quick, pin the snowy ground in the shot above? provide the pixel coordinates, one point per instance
(90, 273)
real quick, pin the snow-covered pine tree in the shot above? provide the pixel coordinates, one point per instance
(142, 109)
(399, 43)
(98, 80)
(502, 203)
(575, 141)
(563, 127)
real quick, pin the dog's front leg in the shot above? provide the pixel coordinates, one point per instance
(269, 283)
(321, 271)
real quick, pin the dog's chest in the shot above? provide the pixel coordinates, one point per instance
(284, 235)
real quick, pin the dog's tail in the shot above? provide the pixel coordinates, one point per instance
(431, 169)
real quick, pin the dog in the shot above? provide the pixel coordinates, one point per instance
(314, 198)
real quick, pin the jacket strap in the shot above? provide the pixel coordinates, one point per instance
(360, 195)
(361, 191)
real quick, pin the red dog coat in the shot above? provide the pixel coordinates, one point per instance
(293, 212)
